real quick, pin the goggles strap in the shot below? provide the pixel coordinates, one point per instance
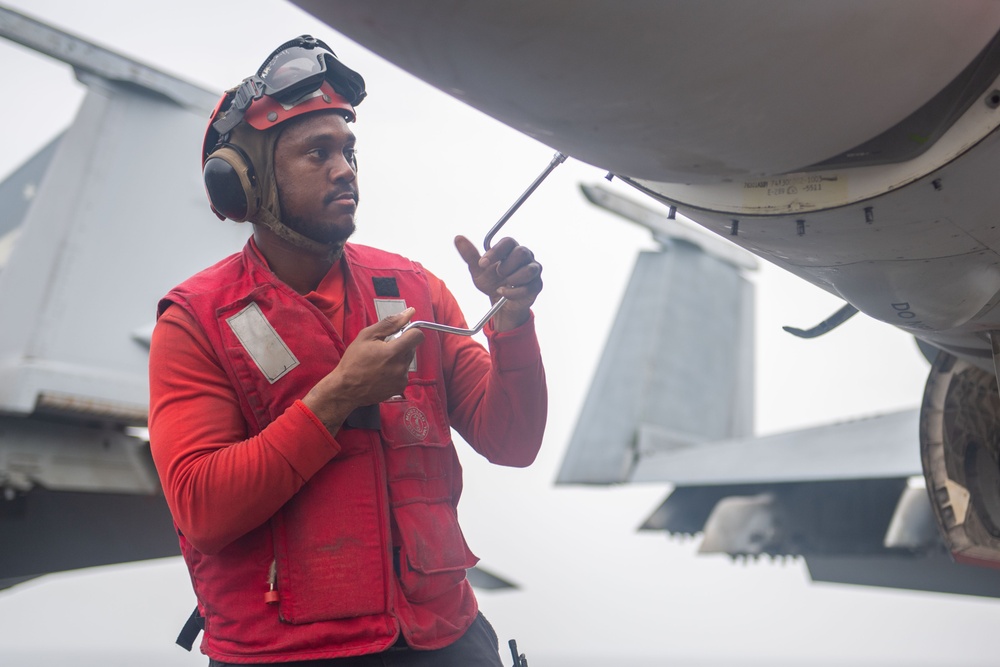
(250, 90)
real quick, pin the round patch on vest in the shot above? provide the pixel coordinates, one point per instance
(416, 423)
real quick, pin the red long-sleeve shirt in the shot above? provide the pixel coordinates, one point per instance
(220, 484)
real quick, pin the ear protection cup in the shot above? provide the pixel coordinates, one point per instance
(231, 183)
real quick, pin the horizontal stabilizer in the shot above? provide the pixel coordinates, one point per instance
(883, 446)
(933, 572)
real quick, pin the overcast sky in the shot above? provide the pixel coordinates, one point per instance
(592, 587)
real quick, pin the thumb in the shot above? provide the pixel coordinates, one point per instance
(390, 325)
(468, 251)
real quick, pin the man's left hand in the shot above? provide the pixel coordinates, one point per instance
(505, 270)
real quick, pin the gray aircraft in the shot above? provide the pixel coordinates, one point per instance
(851, 143)
(78, 481)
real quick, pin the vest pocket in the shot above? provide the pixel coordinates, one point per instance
(416, 419)
(331, 560)
(420, 461)
(434, 556)
(424, 484)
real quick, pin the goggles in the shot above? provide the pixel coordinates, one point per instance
(293, 71)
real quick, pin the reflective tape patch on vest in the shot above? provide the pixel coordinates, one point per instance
(387, 308)
(262, 343)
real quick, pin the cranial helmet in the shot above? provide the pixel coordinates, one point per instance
(301, 76)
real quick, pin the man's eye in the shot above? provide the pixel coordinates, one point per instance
(351, 154)
(319, 153)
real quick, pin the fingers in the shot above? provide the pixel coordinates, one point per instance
(389, 325)
(507, 269)
(520, 268)
(387, 328)
(515, 264)
(500, 250)
(409, 340)
(375, 366)
(526, 292)
(506, 252)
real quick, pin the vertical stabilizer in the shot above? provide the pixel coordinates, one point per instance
(94, 229)
(678, 363)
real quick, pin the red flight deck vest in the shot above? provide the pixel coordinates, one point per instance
(389, 493)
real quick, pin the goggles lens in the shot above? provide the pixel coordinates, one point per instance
(299, 66)
(294, 72)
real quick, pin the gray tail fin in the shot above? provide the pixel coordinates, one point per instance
(678, 363)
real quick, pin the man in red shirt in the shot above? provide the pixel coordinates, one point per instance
(304, 448)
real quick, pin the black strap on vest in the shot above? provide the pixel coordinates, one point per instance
(192, 628)
(367, 416)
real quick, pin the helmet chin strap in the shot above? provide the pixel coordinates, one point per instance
(259, 146)
(331, 251)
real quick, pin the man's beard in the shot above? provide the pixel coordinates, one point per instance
(326, 234)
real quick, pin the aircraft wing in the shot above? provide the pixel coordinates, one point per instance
(870, 448)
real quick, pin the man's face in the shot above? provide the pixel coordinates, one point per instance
(316, 175)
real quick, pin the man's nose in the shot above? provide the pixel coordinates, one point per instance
(342, 170)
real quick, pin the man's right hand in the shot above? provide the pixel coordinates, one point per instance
(372, 370)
